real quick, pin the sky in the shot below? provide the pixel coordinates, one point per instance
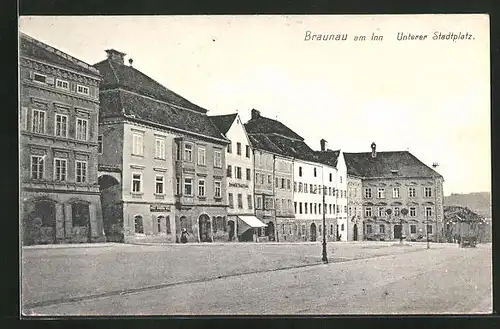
(430, 97)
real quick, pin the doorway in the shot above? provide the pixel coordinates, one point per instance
(204, 227)
(313, 232)
(270, 231)
(398, 231)
(230, 225)
(355, 232)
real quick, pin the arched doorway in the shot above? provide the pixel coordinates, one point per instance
(313, 232)
(204, 228)
(40, 222)
(112, 214)
(80, 216)
(138, 224)
(230, 228)
(270, 231)
(355, 232)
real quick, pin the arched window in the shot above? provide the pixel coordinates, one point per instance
(139, 227)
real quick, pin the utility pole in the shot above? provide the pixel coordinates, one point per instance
(324, 258)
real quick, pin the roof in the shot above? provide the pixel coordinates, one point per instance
(461, 213)
(328, 157)
(262, 142)
(223, 122)
(387, 165)
(263, 125)
(116, 103)
(118, 75)
(36, 49)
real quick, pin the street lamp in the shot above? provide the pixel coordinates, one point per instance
(388, 211)
(324, 258)
(404, 212)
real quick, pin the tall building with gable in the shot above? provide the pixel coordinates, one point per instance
(162, 166)
(59, 110)
(397, 180)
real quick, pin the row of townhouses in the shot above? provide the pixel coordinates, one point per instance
(109, 154)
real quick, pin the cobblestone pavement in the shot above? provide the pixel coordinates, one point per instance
(367, 277)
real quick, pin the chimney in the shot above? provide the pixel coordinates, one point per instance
(116, 56)
(374, 150)
(323, 144)
(130, 61)
(255, 114)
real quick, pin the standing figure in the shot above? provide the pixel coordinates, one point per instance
(184, 234)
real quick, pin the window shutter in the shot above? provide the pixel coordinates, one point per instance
(50, 80)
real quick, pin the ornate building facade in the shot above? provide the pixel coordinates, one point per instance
(59, 110)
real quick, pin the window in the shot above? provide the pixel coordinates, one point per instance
(259, 202)
(159, 182)
(396, 211)
(177, 186)
(315, 210)
(99, 144)
(217, 159)
(262, 179)
(188, 152)
(229, 172)
(310, 208)
(300, 187)
(188, 186)
(413, 211)
(250, 201)
(368, 192)
(331, 177)
(37, 166)
(342, 227)
(305, 188)
(411, 192)
(382, 228)
(60, 167)
(331, 229)
(314, 172)
(305, 207)
(283, 183)
(61, 126)
(177, 151)
(277, 204)
(288, 184)
(429, 228)
(249, 174)
(39, 78)
(238, 172)
(268, 179)
(428, 192)
(330, 208)
(247, 151)
(329, 191)
(81, 129)
(238, 148)
(295, 186)
(311, 188)
(395, 192)
(320, 229)
(381, 193)
(368, 228)
(138, 225)
(283, 205)
(81, 171)
(381, 212)
(82, 90)
(303, 229)
(240, 200)
(300, 207)
(159, 219)
(268, 203)
(345, 209)
(201, 187)
(160, 148)
(295, 207)
(201, 156)
(230, 148)
(368, 212)
(136, 183)
(413, 229)
(230, 200)
(24, 118)
(62, 84)
(38, 122)
(341, 179)
(276, 182)
(217, 190)
(137, 144)
(428, 211)
(300, 171)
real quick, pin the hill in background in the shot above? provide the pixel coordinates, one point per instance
(479, 202)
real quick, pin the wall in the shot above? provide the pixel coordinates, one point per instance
(342, 198)
(354, 207)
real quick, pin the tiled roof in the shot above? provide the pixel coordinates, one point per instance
(119, 75)
(464, 213)
(292, 147)
(263, 125)
(31, 47)
(223, 122)
(262, 142)
(387, 165)
(116, 103)
(328, 157)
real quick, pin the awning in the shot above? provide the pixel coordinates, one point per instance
(248, 222)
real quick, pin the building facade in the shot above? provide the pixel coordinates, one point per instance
(59, 109)
(239, 179)
(401, 196)
(162, 165)
(354, 208)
